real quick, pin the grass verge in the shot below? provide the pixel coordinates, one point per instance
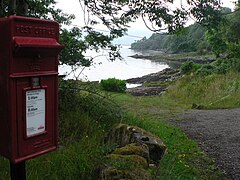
(85, 118)
(184, 159)
(211, 92)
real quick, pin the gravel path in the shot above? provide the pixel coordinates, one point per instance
(218, 134)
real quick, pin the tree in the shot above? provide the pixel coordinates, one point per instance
(216, 41)
(115, 15)
(159, 13)
(225, 38)
(188, 40)
(73, 40)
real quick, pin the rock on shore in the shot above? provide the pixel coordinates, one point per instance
(173, 57)
(167, 74)
(162, 77)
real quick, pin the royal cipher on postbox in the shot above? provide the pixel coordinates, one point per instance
(29, 51)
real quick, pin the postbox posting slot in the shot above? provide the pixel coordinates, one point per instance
(36, 82)
(36, 47)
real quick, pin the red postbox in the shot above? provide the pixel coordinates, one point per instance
(29, 51)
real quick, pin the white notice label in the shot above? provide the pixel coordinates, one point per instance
(35, 111)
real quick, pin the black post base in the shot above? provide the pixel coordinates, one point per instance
(18, 171)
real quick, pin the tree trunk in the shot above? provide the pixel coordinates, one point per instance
(12, 7)
(1, 8)
(22, 7)
(18, 7)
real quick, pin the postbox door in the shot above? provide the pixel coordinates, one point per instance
(36, 113)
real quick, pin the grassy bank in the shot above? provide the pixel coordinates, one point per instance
(210, 92)
(153, 114)
(184, 159)
(86, 117)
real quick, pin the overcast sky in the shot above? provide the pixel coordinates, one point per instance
(137, 29)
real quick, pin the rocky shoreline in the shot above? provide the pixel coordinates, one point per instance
(157, 83)
(175, 57)
(153, 84)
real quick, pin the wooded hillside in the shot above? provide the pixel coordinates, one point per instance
(196, 38)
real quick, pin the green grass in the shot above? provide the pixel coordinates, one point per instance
(144, 106)
(82, 128)
(212, 92)
(85, 118)
(79, 150)
(184, 159)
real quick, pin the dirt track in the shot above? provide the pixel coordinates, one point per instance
(218, 134)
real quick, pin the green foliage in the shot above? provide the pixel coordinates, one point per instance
(75, 95)
(214, 37)
(113, 85)
(75, 43)
(73, 52)
(188, 40)
(39, 9)
(225, 10)
(235, 64)
(206, 70)
(189, 67)
(76, 46)
(161, 17)
(221, 66)
(233, 49)
(222, 38)
(115, 16)
(204, 47)
(225, 38)
(80, 141)
(68, 92)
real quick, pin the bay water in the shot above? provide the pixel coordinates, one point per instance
(123, 69)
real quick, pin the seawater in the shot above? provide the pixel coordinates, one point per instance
(102, 68)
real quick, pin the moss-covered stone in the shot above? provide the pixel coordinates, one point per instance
(119, 135)
(123, 134)
(116, 174)
(137, 148)
(126, 161)
(134, 149)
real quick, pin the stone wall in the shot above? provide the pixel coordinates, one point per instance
(136, 152)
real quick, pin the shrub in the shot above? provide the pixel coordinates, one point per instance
(206, 69)
(113, 85)
(68, 92)
(189, 66)
(223, 66)
(235, 64)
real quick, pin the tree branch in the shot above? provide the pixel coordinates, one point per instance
(152, 29)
